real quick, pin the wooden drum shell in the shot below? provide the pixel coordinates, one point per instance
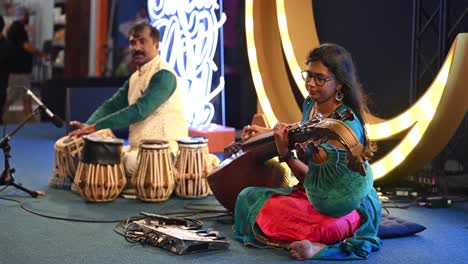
(100, 176)
(100, 183)
(67, 152)
(191, 168)
(154, 177)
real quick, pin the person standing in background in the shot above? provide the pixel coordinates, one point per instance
(21, 66)
(4, 69)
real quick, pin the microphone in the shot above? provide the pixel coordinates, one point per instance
(56, 120)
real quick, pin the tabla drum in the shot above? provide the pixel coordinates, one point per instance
(66, 156)
(154, 177)
(100, 176)
(67, 153)
(191, 167)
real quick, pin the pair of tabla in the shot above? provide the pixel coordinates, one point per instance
(93, 163)
(157, 176)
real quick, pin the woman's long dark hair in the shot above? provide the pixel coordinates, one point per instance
(339, 61)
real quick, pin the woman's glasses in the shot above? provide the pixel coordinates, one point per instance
(318, 79)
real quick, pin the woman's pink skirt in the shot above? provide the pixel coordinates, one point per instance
(290, 218)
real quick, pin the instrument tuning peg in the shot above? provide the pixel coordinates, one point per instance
(367, 154)
(336, 115)
(356, 163)
(347, 115)
(318, 116)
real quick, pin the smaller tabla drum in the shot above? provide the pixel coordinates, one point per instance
(154, 177)
(100, 176)
(191, 167)
(67, 152)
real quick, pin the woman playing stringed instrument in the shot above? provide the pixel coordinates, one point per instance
(334, 212)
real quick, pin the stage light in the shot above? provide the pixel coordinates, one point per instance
(254, 68)
(293, 62)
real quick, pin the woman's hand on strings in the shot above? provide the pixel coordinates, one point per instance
(281, 138)
(252, 130)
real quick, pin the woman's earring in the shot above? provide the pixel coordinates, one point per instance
(339, 96)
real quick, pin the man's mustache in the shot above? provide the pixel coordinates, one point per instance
(136, 53)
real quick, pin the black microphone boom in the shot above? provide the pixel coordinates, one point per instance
(56, 120)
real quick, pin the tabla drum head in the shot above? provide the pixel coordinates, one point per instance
(192, 140)
(99, 150)
(98, 139)
(154, 144)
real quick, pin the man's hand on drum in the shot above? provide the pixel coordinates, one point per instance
(82, 129)
(252, 130)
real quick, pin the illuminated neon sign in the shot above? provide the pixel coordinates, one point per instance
(189, 38)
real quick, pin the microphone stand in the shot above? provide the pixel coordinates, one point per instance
(7, 174)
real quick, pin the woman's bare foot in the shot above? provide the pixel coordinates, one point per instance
(305, 249)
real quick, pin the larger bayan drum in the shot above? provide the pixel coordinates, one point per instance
(100, 176)
(154, 177)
